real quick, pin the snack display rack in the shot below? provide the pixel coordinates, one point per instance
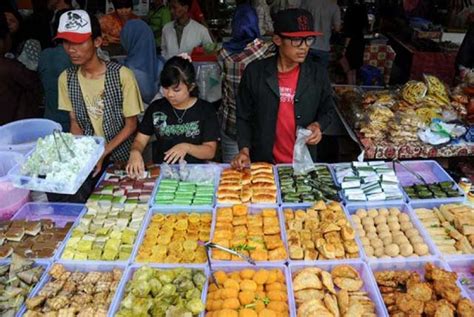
(365, 265)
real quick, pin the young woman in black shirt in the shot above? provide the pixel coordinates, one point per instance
(185, 126)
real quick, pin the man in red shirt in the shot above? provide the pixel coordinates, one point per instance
(280, 93)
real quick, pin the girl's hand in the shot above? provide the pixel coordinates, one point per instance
(176, 153)
(135, 166)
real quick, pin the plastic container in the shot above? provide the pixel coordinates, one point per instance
(416, 265)
(40, 184)
(431, 205)
(431, 172)
(21, 136)
(404, 208)
(216, 168)
(251, 210)
(81, 267)
(464, 267)
(369, 283)
(304, 207)
(166, 210)
(45, 265)
(232, 267)
(11, 198)
(120, 293)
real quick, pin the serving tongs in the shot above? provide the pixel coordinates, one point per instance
(408, 169)
(58, 135)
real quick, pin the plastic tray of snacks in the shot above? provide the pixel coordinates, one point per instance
(113, 215)
(128, 275)
(235, 267)
(304, 207)
(252, 210)
(59, 213)
(414, 265)
(12, 198)
(369, 286)
(45, 264)
(464, 267)
(433, 229)
(431, 172)
(404, 209)
(277, 192)
(60, 187)
(85, 267)
(337, 196)
(206, 170)
(167, 211)
(385, 180)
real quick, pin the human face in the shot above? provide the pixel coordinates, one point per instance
(178, 96)
(290, 51)
(13, 23)
(177, 10)
(124, 13)
(82, 53)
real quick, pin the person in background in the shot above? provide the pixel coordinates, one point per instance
(283, 92)
(52, 62)
(327, 18)
(265, 23)
(158, 16)
(111, 24)
(15, 28)
(102, 98)
(244, 47)
(20, 91)
(183, 34)
(138, 40)
(355, 22)
(465, 57)
(185, 126)
(196, 13)
(29, 55)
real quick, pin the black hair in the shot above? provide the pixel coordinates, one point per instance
(188, 3)
(95, 26)
(3, 26)
(119, 4)
(179, 70)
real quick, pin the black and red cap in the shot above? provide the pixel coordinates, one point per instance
(295, 23)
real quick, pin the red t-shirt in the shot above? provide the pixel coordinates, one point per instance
(195, 12)
(285, 134)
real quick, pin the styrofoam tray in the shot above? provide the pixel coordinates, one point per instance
(44, 263)
(369, 283)
(165, 210)
(431, 172)
(404, 208)
(252, 209)
(217, 169)
(464, 267)
(416, 265)
(304, 207)
(128, 275)
(232, 267)
(431, 205)
(40, 184)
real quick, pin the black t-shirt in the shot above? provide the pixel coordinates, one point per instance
(199, 125)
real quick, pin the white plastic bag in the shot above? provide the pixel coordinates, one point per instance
(302, 161)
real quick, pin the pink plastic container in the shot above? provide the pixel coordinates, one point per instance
(11, 198)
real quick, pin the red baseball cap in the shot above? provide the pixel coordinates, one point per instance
(295, 23)
(74, 26)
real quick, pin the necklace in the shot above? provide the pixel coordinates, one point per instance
(180, 119)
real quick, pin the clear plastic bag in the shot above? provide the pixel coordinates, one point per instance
(302, 161)
(203, 174)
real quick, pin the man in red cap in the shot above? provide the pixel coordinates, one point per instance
(102, 98)
(280, 93)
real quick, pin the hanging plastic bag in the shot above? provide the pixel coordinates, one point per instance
(302, 161)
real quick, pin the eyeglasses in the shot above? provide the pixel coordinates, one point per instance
(298, 41)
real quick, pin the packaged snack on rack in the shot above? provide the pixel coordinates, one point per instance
(319, 232)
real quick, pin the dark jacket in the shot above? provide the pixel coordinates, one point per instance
(259, 98)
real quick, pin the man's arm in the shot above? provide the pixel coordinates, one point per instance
(129, 128)
(336, 19)
(75, 128)
(244, 111)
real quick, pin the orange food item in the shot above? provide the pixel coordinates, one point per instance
(277, 296)
(229, 293)
(247, 274)
(267, 313)
(246, 312)
(261, 277)
(274, 287)
(231, 283)
(248, 285)
(220, 276)
(231, 303)
(227, 313)
(272, 276)
(235, 275)
(246, 297)
(278, 306)
(259, 306)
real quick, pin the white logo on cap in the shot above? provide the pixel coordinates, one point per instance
(75, 21)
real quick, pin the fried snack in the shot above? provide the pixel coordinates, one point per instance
(320, 232)
(175, 240)
(316, 298)
(414, 91)
(406, 294)
(256, 234)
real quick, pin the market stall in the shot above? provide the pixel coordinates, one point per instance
(404, 123)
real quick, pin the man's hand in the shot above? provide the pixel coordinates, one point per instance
(241, 160)
(135, 166)
(316, 134)
(176, 153)
(98, 167)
